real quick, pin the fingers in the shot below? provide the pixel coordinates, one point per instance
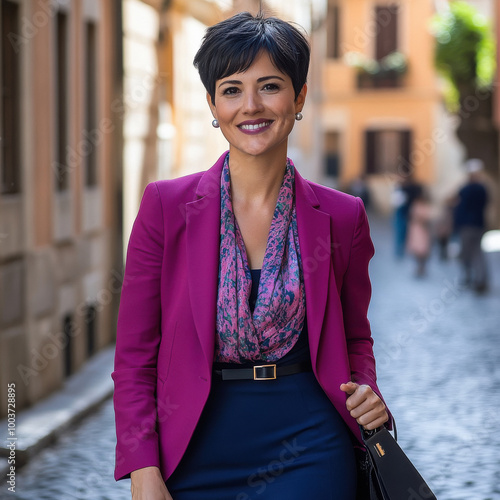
(349, 388)
(365, 406)
(375, 424)
(373, 418)
(363, 399)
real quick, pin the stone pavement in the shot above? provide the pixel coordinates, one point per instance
(438, 352)
(437, 347)
(43, 423)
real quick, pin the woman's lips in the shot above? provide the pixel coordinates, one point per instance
(255, 127)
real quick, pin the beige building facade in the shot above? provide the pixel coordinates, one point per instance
(167, 125)
(60, 163)
(356, 124)
(383, 115)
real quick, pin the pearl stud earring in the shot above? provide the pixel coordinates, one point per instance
(215, 124)
(299, 116)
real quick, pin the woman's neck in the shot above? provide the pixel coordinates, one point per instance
(256, 179)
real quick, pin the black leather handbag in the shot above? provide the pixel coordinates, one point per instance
(385, 472)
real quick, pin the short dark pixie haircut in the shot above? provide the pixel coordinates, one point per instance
(232, 45)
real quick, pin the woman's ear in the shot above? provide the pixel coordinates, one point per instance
(301, 99)
(211, 105)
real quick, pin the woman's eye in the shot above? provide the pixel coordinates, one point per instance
(230, 90)
(271, 87)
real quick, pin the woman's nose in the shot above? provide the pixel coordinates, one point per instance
(252, 103)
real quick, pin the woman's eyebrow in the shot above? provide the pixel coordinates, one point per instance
(230, 82)
(264, 78)
(259, 80)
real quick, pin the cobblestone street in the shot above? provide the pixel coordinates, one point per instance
(438, 351)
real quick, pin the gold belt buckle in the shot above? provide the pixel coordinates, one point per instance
(264, 378)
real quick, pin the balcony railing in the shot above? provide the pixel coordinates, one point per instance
(372, 74)
(383, 80)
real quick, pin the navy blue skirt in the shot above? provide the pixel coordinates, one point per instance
(267, 440)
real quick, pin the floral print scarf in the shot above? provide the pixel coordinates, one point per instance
(278, 317)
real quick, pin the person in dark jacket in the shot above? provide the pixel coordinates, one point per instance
(470, 225)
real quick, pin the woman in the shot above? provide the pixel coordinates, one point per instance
(244, 358)
(419, 242)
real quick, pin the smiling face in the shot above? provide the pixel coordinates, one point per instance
(256, 108)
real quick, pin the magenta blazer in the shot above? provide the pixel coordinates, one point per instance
(166, 321)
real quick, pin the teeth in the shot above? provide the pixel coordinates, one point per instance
(255, 127)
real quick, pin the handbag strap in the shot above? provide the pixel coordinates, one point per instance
(368, 434)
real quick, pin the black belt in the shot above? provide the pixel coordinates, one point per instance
(263, 372)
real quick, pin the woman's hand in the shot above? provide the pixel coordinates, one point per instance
(365, 406)
(148, 484)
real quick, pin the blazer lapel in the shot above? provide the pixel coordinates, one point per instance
(315, 249)
(203, 242)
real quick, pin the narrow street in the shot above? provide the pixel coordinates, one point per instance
(438, 351)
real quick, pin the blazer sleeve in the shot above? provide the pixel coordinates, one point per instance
(137, 342)
(355, 296)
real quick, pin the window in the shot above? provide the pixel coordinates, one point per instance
(333, 30)
(10, 145)
(91, 129)
(68, 332)
(332, 154)
(387, 151)
(91, 324)
(386, 42)
(61, 93)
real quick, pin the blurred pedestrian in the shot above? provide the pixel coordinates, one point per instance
(405, 192)
(222, 366)
(469, 216)
(419, 232)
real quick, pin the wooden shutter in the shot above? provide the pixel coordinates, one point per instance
(405, 165)
(91, 124)
(61, 92)
(332, 154)
(11, 109)
(370, 152)
(333, 30)
(386, 19)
